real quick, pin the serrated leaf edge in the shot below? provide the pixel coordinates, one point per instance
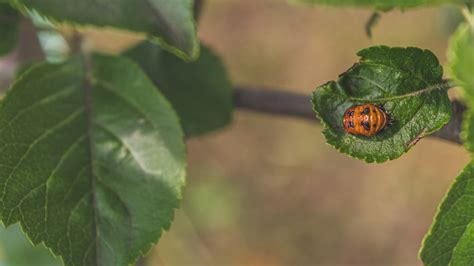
(437, 219)
(182, 175)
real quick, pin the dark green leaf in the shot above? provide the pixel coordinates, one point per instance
(15, 249)
(382, 4)
(406, 82)
(9, 23)
(171, 23)
(200, 91)
(450, 240)
(92, 160)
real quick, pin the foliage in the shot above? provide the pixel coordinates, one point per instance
(461, 55)
(451, 234)
(451, 238)
(461, 59)
(92, 159)
(169, 23)
(406, 82)
(203, 100)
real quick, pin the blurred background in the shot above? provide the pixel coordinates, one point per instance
(267, 190)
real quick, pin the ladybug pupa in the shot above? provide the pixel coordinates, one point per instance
(366, 120)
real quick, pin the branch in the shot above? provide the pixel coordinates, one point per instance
(298, 105)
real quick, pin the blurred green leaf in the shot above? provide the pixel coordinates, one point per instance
(200, 91)
(382, 5)
(450, 240)
(461, 64)
(461, 59)
(9, 24)
(15, 249)
(170, 23)
(92, 160)
(406, 82)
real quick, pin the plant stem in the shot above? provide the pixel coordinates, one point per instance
(278, 102)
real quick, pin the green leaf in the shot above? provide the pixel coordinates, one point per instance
(203, 100)
(467, 132)
(406, 82)
(92, 160)
(15, 249)
(170, 23)
(461, 64)
(461, 59)
(382, 5)
(462, 254)
(451, 236)
(9, 24)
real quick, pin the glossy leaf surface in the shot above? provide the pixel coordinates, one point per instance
(92, 160)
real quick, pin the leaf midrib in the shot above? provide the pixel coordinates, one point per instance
(86, 61)
(91, 82)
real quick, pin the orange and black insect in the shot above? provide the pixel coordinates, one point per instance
(366, 120)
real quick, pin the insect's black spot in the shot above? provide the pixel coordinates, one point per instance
(366, 125)
(366, 111)
(350, 113)
(351, 124)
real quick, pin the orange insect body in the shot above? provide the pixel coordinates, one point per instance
(366, 120)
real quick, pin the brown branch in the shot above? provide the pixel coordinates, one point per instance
(298, 105)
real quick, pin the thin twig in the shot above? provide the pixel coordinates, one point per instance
(277, 102)
(371, 22)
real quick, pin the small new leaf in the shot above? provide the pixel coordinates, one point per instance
(451, 237)
(203, 100)
(406, 82)
(92, 160)
(169, 23)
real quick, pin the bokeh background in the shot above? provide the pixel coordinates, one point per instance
(267, 190)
